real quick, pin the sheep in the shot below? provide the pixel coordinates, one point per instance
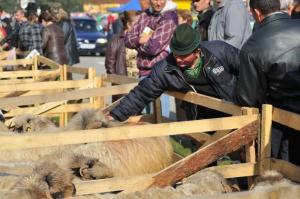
(47, 181)
(57, 173)
(29, 123)
(83, 120)
(270, 179)
(119, 158)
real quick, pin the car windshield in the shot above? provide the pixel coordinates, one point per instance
(86, 25)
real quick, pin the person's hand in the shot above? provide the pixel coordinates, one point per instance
(109, 117)
(144, 38)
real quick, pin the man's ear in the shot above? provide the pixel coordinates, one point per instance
(258, 15)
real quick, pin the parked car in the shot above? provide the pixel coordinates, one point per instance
(91, 40)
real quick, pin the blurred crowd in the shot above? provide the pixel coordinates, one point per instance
(47, 30)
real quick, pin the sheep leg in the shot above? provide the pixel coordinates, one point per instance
(95, 170)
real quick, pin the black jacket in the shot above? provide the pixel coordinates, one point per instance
(70, 41)
(270, 65)
(220, 69)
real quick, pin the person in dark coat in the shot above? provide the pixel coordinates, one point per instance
(53, 39)
(209, 68)
(269, 70)
(63, 20)
(205, 13)
(115, 57)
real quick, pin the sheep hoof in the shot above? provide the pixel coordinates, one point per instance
(95, 170)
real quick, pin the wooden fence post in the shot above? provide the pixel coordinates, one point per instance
(98, 101)
(265, 142)
(157, 111)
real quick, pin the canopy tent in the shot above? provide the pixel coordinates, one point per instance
(131, 5)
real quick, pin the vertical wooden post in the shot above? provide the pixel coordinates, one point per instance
(250, 148)
(66, 115)
(35, 66)
(157, 111)
(265, 142)
(98, 101)
(91, 76)
(62, 119)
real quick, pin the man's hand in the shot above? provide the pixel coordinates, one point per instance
(109, 118)
(144, 38)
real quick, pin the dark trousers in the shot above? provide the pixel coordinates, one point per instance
(285, 143)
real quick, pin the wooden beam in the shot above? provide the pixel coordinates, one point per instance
(236, 170)
(206, 155)
(49, 85)
(209, 102)
(286, 118)
(120, 79)
(48, 62)
(108, 185)
(288, 169)
(68, 95)
(16, 81)
(265, 142)
(16, 62)
(28, 73)
(122, 133)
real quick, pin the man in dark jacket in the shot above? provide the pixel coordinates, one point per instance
(270, 63)
(208, 68)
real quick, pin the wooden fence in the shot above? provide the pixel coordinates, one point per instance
(240, 129)
(35, 82)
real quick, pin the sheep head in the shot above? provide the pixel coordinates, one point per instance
(31, 123)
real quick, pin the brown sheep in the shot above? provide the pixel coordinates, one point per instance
(119, 158)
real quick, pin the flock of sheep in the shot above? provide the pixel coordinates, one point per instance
(49, 172)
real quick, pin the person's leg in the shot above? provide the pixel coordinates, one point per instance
(279, 142)
(147, 109)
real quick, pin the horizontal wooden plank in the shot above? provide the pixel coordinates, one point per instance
(288, 169)
(48, 85)
(107, 185)
(28, 73)
(291, 192)
(236, 170)
(78, 70)
(209, 102)
(125, 132)
(16, 81)
(286, 118)
(16, 62)
(48, 62)
(67, 95)
(121, 79)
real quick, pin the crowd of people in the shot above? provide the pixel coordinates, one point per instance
(49, 32)
(222, 56)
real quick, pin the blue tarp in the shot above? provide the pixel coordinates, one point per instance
(131, 5)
